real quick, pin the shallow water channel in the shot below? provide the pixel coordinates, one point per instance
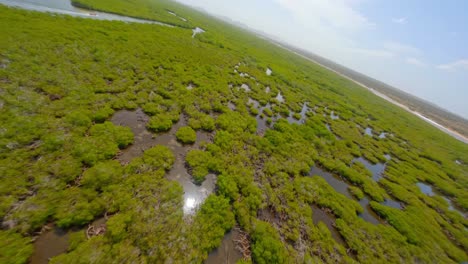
(179, 17)
(54, 241)
(49, 244)
(65, 7)
(319, 215)
(342, 187)
(430, 191)
(226, 253)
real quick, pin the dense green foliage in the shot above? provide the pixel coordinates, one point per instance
(266, 245)
(186, 135)
(213, 220)
(103, 142)
(160, 123)
(15, 249)
(65, 77)
(201, 163)
(158, 158)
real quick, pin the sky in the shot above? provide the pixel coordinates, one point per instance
(418, 46)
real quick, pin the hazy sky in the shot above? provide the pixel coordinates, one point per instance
(419, 46)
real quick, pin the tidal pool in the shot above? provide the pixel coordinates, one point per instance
(231, 106)
(425, 188)
(262, 125)
(279, 97)
(368, 131)
(194, 194)
(244, 75)
(190, 86)
(393, 204)
(245, 87)
(143, 139)
(376, 169)
(196, 31)
(253, 102)
(333, 116)
(303, 114)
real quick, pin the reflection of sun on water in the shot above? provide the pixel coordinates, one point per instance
(190, 203)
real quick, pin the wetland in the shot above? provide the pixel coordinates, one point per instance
(126, 136)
